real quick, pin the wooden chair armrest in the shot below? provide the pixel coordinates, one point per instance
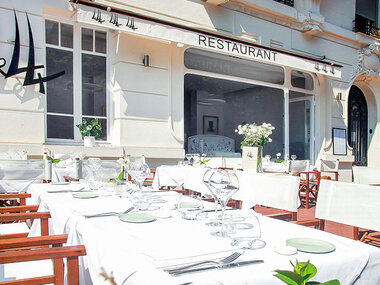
(12, 209)
(12, 236)
(15, 196)
(33, 241)
(282, 216)
(317, 223)
(41, 254)
(69, 178)
(23, 216)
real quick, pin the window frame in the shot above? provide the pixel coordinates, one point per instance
(286, 87)
(77, 79)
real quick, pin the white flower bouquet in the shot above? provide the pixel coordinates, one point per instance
(255, 135)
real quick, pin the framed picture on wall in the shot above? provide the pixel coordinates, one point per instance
(339, 138)
(210, 125)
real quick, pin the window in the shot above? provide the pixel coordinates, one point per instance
(228, 91)
(71, 98)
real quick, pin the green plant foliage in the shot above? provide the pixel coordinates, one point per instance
(90, 127)
(118, 179)
(301, 274)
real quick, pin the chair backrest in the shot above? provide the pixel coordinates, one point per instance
(349, 203)
(210, 144)
(21, 169)
(298, 166)
(328, 165)
(366, 175)
(14, 155)
(270, 190)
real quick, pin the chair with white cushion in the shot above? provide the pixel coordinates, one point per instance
(350, 204)
(366, 175)
(271, 190)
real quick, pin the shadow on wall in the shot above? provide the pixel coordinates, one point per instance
(14, 87)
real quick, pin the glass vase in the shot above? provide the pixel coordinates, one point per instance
(259, 159)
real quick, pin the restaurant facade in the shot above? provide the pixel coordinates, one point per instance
(155, 73)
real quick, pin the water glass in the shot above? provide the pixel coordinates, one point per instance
(190, 206)
(140, 201)
(293, 157)
(246, 234)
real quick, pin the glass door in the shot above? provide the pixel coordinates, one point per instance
(300, 125)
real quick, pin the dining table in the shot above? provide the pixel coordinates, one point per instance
(138, 251)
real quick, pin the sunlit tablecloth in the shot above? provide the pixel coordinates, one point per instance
(132, 252)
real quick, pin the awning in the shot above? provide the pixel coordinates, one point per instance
(144, 27)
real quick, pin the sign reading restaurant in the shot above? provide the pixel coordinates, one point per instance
(134, 25)
(237, 48)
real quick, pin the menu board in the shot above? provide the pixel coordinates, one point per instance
(339, 141)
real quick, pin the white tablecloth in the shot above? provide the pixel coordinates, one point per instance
(134, 251)
(16, 186)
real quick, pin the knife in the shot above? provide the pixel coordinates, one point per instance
(230, 265)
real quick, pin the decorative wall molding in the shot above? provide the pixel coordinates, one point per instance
(367, 65)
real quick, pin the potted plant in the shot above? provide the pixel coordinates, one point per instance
(255, 136)
(90, 130)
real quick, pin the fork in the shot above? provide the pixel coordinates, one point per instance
(109, 213)
(222, 261)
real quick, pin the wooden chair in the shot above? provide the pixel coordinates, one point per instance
(301, 168)
(10, 215)
(278, 192)
(327, 169)
(36, 251)
(13, 199)
(17, 247)
(350, 204)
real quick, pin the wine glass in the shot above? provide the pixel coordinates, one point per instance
(226, 184)
(139, 171)
(206, 182)
(188, 156)
(247, 234)
(293, 157)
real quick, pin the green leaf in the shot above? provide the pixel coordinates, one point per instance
(307, 270)
(112, 181)
(55, 160)
(120, 177)
(289, 277)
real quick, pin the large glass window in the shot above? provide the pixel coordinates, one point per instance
(62, 96)
(218, 106)
(222, 92)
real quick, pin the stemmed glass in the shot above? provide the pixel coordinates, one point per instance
(226, 184)
(139, 171)
(210, 186)
(293, 157)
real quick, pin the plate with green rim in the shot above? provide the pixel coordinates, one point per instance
(85, 195)
(137, 218)
(188, 205)
(311, 245)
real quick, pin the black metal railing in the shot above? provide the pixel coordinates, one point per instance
(364, 25)
(286, 2)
